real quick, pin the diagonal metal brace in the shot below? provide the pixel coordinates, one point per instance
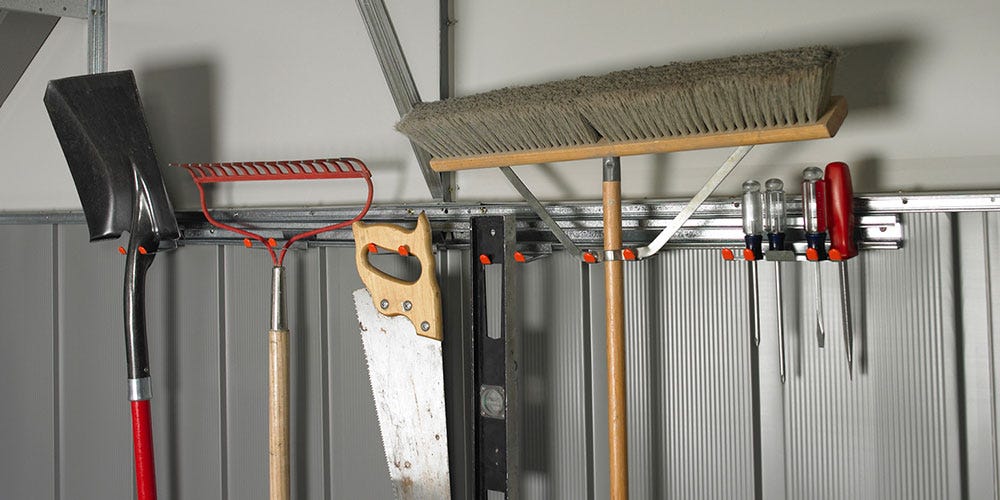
(710, 186)
(399, 78)
(540, 211)
(661, 239)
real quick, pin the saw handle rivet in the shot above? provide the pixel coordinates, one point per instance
(384, 304)
(425, 326)
(407, 305)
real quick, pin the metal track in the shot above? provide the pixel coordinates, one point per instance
(717, 223)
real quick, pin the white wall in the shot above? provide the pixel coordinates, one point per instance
(302, 81)
(228, 81)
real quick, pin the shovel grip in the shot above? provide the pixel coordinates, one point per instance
(420, 300)
(278, 417)
(142, 446)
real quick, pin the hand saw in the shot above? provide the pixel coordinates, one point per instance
(401, 331)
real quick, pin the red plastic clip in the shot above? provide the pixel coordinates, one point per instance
(142, 250)
(271, 242)
(247, 243)
(728, 254)
(372, 248)
(835, 255)
(404, 250)
(812, 254)
(628, 254)
(519, 257)
(748, 255)
(589, 258)
(485, 259)
(122, 251)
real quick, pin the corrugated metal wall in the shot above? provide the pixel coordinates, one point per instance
(919, 419)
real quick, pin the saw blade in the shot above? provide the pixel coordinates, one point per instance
(407, 380)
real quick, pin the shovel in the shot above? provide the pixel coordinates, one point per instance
(102, 130)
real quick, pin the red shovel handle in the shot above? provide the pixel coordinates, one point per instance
(142, 440)
(840, 210)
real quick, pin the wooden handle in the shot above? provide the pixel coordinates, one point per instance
(614, 291)
(420, 300)
(278, 413)
(824, 128)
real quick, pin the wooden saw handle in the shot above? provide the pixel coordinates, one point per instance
(422, 295)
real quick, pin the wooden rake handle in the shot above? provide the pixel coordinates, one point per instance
(278, 415)
(420, 300)
(277, 391)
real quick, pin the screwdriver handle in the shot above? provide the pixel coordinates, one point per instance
(753, 215)
(840, 211)
(814, 212)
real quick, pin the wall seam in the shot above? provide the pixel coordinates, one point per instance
(324, 322)
(223, 381)
(588, 386)
(987, 276)
(56, 414)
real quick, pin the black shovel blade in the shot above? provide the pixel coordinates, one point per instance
(102, 129)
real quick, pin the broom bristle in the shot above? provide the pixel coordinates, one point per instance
(771, 89)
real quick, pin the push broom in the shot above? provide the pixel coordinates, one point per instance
(740, 101)
(334, 168)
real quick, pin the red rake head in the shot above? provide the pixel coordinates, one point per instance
(331, 168)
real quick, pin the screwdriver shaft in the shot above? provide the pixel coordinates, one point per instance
(753, 300)
(780, 320)
(845, 303)
(818, 294)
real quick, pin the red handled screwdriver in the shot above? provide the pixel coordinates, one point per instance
(814, 212)
(840, 211)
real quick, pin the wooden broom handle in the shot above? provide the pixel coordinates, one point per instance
(278, 413)
(614, 291)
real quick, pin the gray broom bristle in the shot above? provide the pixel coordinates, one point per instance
(746, 92)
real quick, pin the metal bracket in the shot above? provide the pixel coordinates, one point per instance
(97, 36)
(540, 211)
(710, 186)
(401, 85)
(661, 239)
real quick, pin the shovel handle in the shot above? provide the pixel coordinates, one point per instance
(420, 300)
(278, 417)
(142, 445)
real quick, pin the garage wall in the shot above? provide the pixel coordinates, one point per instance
(250, 80)
(918, 420)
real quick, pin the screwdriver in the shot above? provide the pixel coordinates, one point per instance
(814, 212)
(774, 226)
(840, 210)
(753, 236)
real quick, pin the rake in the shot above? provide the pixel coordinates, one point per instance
(332, 168)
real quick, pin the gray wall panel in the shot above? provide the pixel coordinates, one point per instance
(308, 420)
(556, 410)
(183, 308)
(919, 420)
(247, 298)
(357, 462)
(27, 363)
(695, 320)
(95, 430)
(886, 434)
